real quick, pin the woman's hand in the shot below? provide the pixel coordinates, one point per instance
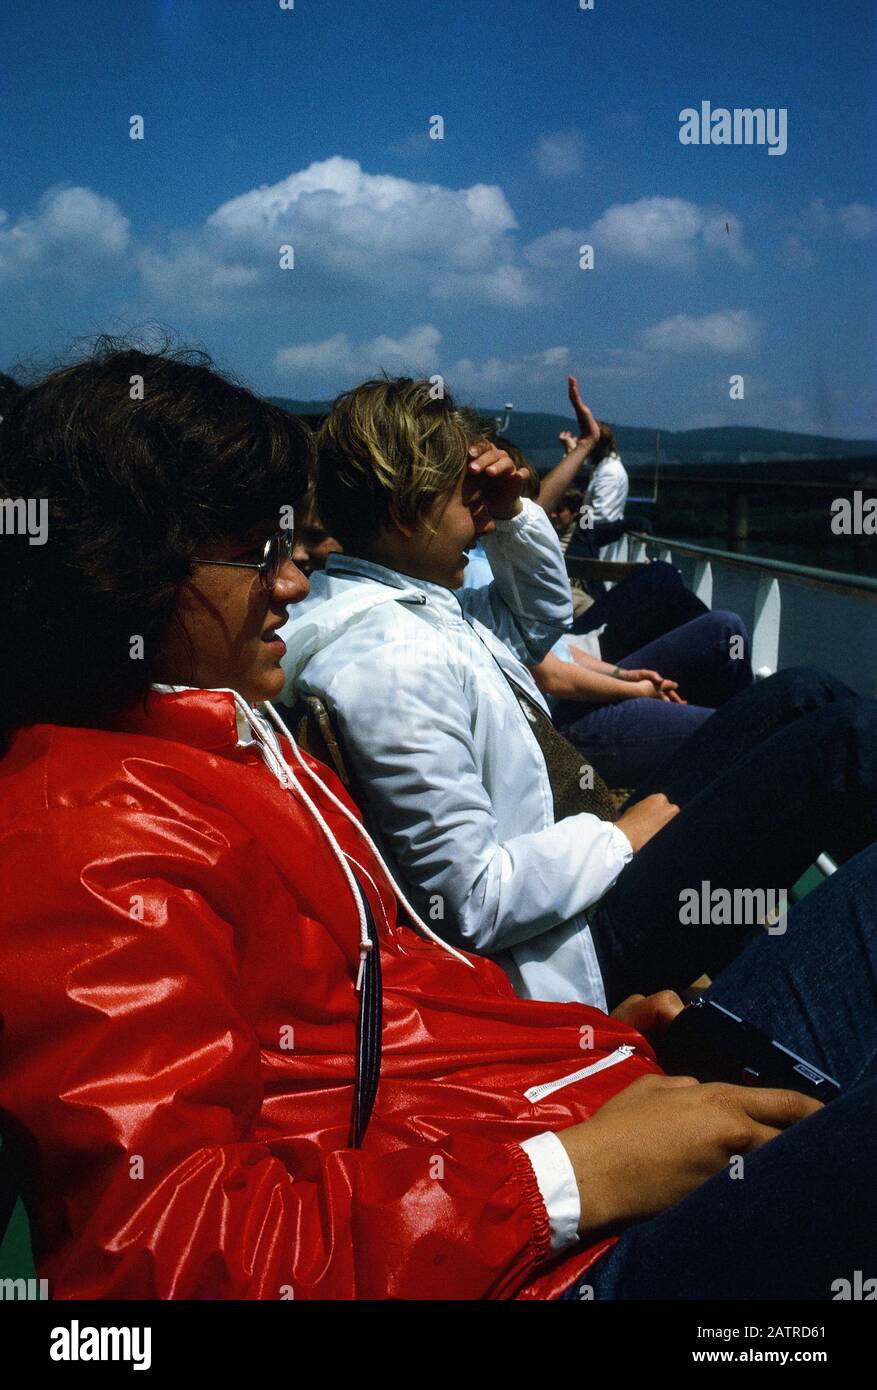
(646, 818)
(661, 688)
(589, 430)
(664, 1136)
(568, 440)
(650, 1015)
(500, 482)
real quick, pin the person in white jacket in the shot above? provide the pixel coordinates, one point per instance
(428, 693)
(419, 683)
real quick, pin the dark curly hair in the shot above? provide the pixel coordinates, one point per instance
(133, 479)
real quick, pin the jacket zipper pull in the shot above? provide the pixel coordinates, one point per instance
(364, 948)
(538, 1093)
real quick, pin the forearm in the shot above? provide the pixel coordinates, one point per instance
(591, 663)
(529, 604)
(562, 477)
(567, 680)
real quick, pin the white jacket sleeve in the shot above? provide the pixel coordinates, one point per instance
(408, 735)
(529, 603)
(606, 494)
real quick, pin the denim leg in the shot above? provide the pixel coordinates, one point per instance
(649, 602)
(740, 726)
(800, 1217)
(814, 987)
(811, 786)
(630, 741)
(709, 657)
(803, 1214)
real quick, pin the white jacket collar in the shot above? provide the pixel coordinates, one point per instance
(352, 567)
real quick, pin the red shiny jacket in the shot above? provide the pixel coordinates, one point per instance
(178, 956)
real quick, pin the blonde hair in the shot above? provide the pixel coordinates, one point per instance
(385, 452)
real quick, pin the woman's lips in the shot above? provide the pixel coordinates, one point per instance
(271, 639)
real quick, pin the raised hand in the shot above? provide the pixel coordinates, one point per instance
(589, 430)
(568, 440)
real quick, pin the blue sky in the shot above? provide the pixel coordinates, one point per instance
(308, 127)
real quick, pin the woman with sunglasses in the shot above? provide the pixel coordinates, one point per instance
(234, 1063)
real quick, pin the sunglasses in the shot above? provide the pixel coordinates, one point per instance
(276, 554)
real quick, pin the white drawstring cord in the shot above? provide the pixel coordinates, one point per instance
(287, 778)
(358, 827)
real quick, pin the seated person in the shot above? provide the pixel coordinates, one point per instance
(600, 520)
(628, 720)
(450, 740)
(629, 716)
(565, 516)
(312, 543)
(188, 900)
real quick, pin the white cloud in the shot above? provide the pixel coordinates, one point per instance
(71, 232)
(337, 357)
(550, 365)
(338, 361)
(733, 330)
(856, 220)
(197, 275)
(859, 220)
(555, 249)
(797, 253)
(560, 155)
(378, 230)
(666, 231)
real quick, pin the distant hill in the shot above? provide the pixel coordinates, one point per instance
(536, 434)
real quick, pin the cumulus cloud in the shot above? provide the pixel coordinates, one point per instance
(555, 249)
(528, 369)
(198, 275)
(667, 231)
(415, 352)
(378, 230)
(560, 155)
(797, 253)
(819, 223)
(859, 220)
(339, 361)
(72, 231)
(733, 330)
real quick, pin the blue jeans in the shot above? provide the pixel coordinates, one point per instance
(630, 741)
(652, 600)
(804, 1213)
(777, 775)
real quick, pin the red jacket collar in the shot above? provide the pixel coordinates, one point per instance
(205, 718)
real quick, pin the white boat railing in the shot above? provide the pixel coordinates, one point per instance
(776, 599)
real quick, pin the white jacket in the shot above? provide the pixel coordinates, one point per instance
(606, 499)
(453, 774)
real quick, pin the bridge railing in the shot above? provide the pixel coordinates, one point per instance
(844, 629)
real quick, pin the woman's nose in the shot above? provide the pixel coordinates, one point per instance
(290, 586)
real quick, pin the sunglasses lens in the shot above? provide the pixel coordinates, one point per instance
(277, 553)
